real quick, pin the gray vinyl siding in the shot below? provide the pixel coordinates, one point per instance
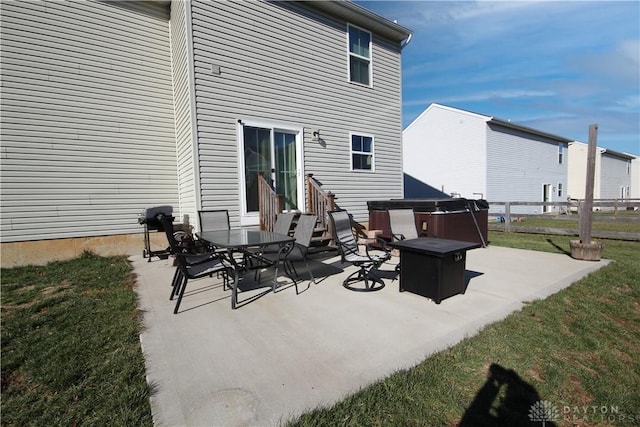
(613, 175)
(87, 117)
(285, 62)
(519, 164)
(185, 141)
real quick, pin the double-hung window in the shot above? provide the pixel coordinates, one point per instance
(362, 158)
(359, 55)
(560, 153)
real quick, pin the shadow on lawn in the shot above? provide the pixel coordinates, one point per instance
(505, 399)
(558, 247)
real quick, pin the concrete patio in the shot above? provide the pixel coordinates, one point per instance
(280, 354)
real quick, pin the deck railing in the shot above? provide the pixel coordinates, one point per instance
(319, 202)
(270, 204)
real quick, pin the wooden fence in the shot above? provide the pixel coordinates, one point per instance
(569, 210)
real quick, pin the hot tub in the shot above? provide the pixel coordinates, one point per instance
(447, 218)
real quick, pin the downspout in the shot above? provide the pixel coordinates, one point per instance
(406, 41)
(403, 44)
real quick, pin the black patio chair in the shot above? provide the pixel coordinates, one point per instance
(403, 226)
(302, 235)
(214, 220)
(192, 263)
(283, 222)
(367, 262)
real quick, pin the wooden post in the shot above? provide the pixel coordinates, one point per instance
(279, 204)
(331, 203)
(584, 248)
(507, 217)
(310, 201)
(587, 207)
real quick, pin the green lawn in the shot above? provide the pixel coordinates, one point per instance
(575, 349)
(71, 353)
(70, 345)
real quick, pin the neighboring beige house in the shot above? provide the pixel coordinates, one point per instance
(111, 107)
(615, 175)
(635, 178)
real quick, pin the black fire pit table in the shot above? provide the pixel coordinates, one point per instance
(432, 267)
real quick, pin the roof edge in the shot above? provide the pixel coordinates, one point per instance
(510, 125)
(619, 154)
(361, 16)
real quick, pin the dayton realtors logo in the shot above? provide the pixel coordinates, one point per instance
(544, 411)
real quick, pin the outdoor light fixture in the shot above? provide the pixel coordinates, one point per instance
(315, 136)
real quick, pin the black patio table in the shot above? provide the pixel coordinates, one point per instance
(239, 241)
(433, 267)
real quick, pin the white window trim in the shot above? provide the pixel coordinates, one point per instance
(253, 218)
(373, 152)
(560, 190)
(370, 59)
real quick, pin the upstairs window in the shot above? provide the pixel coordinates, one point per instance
(361, 152)
(560, 153)
(359, 56)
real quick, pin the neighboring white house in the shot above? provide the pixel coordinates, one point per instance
(478, 156)
(112, 107)
(613, 177)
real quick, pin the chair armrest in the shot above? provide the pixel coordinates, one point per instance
(381, 242)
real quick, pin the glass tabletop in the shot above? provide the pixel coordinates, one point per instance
(243, 238)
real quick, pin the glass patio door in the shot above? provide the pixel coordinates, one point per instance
(276, 153)
(285, 172)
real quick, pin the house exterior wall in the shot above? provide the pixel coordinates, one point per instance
(184, 102)
(614, 176)
(635, 178)
(87, 118)
(519, 164)
(446, 148)
(577, 171)
(611, 173)
(290, 67)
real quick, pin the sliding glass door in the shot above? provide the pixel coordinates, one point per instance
(277, 153)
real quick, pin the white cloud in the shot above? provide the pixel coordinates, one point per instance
(484, 96)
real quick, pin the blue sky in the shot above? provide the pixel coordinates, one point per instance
(556, 66)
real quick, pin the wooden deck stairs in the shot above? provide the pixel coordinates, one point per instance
(319, 202)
